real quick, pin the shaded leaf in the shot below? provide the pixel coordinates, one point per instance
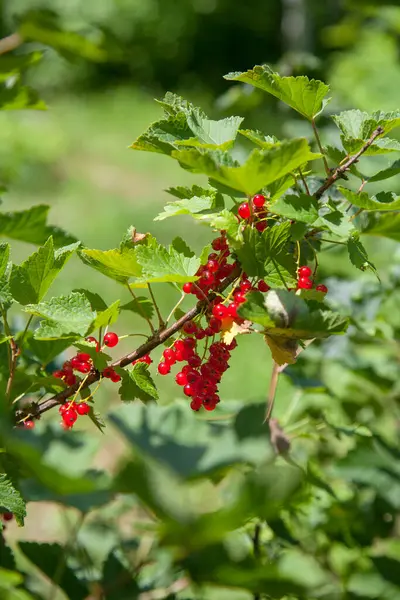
(63, 316)
(30, 226)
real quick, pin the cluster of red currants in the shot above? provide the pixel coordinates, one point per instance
(305, 283)
(214, 272)
(70, 412)
(255, 211)
(199, 377)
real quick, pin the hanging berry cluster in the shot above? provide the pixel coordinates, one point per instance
(255, 211)
(305, 282)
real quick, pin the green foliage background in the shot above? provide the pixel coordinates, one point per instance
(337, 536)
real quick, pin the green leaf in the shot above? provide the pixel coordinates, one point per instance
(4, 259)
(63, 316)
(51, 560)
(14, 65)
(45, 350)
(358, 254)
(106, 317)
(187, 125)
(261, 168)
(141, 376)
(269, 255)
(30, 226)
(301, 208)
(130, 388)
(160, 264)
(96, 302)
(227, 221)
(43, 26)
(197, 206)
(381, 202)
(18, 97)
(380, 146)
(356, 124)
(30, 281)
(391, 171)
(287, 318)
(386, 225)
(259, 138)
(119, 580)
(185, 193)
(120, 265)
(300, 93)
(11, 500)
(142, 306)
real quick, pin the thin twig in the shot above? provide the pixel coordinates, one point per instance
(177, 305)
(340, 171)
(158, 338)
(13, 356)
(303, 179)
(140, 310)
(272, 391)
(11, 42)
(161, 322)
(327, 169)
(257, 549)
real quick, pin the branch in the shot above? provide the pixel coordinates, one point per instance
(340, 171)
(11, 42)
(158, 338)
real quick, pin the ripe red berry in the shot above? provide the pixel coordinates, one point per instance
(8, 516)
(304, 283)
(220, 311)
(108, 372)
(209, 332)
(193, 377)
(244, 210)
(94, 341)
(63, 408)
(245, 285)
(29, 424)
(232, 345)
(259, 200)
(190, 327)
(239, 297)
(196, 403)
(75, 362)
(58, 374)
(261, 226)
(111, 339)
(262, 286)
(214, 324)
(189, 390)
(181, 378)
(170, 356)
(69, 417)
(322, 288)
(67, 367)
(70, 379)
(200, 334)
(194, 360)
(212, 266)
(82, 408)
(188, 287)
(189, 343)
(115, 377)
(305, 272)
(164, 368)
(207, 278)
(232, 308)
(83, 356)
(83, 367)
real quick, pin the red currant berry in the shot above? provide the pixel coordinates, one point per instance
(63, 408)
(83, 356)
(75, 362)
(108, 372)
(115, 377)
(67, 367)
(8, 516)
(83, 367)
(196, 403)
(188, 287)
(70, 379)
(239, 297)
(232, 345)
(220, 311)
(215, 324)
(189, 343)
(262, 286)
(194, 360)
(200, 334)
(189, 390)
(244, 210)
(29, 424)
(147, 359)
(94, 341)
(304, 283)
(69, 417)
(233, 310)
(259, 200)
(170, 356)
(82, 408)
(207, 278)
(193, 377)
(305, 272)
(111, 339)
(181, 378)
(245, 285)
(322, 288)
(180, 355)
(190, 327)
(261, 226)
(58, 374)
(209, 332)
(164, 368)
(212, 266)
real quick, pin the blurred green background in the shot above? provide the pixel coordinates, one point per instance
(75, 156)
